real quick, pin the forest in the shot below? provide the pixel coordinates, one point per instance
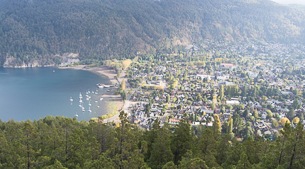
(102, 29)
(58, 142)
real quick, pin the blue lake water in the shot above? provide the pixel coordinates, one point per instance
(34, 93)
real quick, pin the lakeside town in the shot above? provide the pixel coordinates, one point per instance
(245, 91)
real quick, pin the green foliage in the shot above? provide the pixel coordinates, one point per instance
(269, 114)
(56, 165)
(101, 163)
(275, 123)
(125, 151)
(57, 142)
(103, 29)
(169, 165)
(232, 91)
(181, 141)
(161, 151)
(195, 163)
(291, 114)
(221, 92)
(217, 124)
(243, 163)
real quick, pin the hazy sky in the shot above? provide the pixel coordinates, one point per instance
(290, 1)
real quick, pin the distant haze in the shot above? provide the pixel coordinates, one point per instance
(302, 2)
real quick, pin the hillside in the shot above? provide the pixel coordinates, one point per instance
(102, 29)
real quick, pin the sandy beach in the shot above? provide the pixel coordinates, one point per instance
(102, 70)
(110, 97)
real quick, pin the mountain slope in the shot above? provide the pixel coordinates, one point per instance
(102, 29)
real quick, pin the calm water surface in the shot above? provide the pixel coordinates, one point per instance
(33, 93)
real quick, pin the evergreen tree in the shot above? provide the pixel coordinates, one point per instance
(221, 92)
(295, 147)
(222, 148)
(57, 164)
(29, 135)
(5, 152)
(205, 146)
(56, 142)
(188, 162)
(181, 141)
(243, 163)
(101, 163)
(161, 152)
(149, 137)
(291, 114)
(125, 152)
(169, 165)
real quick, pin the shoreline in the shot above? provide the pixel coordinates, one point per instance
(111, 97)
(101, 71)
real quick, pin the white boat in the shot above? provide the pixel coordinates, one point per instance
(71, 99)
(100, 86)
(83, 109)
(80, 96)
(106, 86)
(101, 99)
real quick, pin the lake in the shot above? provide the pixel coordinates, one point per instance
(34, 93)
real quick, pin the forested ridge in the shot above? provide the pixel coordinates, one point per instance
(57, 142)
(102, 29)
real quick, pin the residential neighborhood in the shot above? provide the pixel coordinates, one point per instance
(253, 89)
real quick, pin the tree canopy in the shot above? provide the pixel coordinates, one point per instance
(57, 142)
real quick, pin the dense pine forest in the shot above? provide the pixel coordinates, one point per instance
(57, 142)
(40, 30)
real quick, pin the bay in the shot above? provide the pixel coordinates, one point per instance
(34, 93)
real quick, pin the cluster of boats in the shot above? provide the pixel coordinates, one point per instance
(101, 85)
(87, 97)
(81, 105)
